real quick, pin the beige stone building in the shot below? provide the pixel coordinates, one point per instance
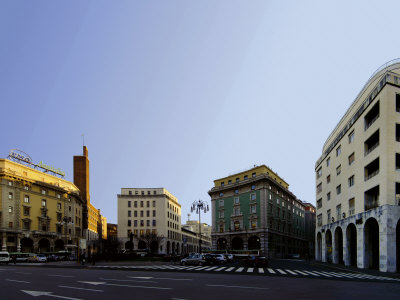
(149, 218)
(358, 179)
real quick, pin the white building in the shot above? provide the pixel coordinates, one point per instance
(149, 218)
(358, 179)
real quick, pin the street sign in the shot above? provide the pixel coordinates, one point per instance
(82, 244)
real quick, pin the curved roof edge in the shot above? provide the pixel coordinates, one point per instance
(382, 69)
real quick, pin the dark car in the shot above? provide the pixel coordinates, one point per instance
(256, 261)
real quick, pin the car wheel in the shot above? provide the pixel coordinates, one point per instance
(183, 263)
(201, 263)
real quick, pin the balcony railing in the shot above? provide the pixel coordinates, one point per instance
(368, 125)
(371, 205)
(371, 149)
(351, 211)
(369, 176)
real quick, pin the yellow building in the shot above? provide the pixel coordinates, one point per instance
(39, 212)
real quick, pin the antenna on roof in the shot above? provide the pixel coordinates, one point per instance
(188, 217)
(83, 139)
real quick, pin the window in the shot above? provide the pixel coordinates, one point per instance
(351, 207)
(135, 223)
(371, 116)
(236, 200)
(351, 137)
(130, 192)
(229, 181)
(253, 187)
(338, 150)
(319, 173)
(221, 213)
(26, 211)
(339, 170)
(221, 228)
(339, 189)
(154, 222)
(328, 161)
(129, 223)
(328, 196)
(59, 206)
(135, 204)
(319, 220)
(319, 203)
(222, 183)
(141, 204)
(141, 213)
(59, 216)
(129, 213)
(221, 203)
(246, 177)
(351, 180)
(338, 212)
(221, 194)
(10, 183)
(253, 209)
(141, 223)
(147, 223)
(154, 192)
(237, 179)
(43, 203)
(10, 209)
(148, 213)
(27, 225)
(129, 203)
(154, 213)
(253, 224)
(236, 191)
(135, 213)
(328, 178)
(26, 187)
(154, 203)
(10, 196)
(351, 159)
(148, 192)
(237, 211)
(252, 197)
(328, 212)
(148, 204)
(253, 174)
(43, 192)
(237, 225)
(136, 193)
(319, 188)
(26, 199)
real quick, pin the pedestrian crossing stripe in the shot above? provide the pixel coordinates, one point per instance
(287, 272)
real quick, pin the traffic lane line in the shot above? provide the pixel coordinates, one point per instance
(78, 288)
(237, 286)
(18, 281)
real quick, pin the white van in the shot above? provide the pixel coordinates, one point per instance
(4, 257)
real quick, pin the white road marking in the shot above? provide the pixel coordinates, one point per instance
(250, 270)
(125, 285)
(219, 269)
(19, 281)
(23, 273)
(163, 278)
(140, 277)
(128, 280)
(321, 273)
(237, 286)
(209, 269)
(280, 271)
(301, 273)
(49, 294)
(271, 271)
(330, 273)
(77, 288)
(202, 268)
(229, 269)
(239, 269)
(314, 274)
(64, 276)
(291, 272)
(260, 270)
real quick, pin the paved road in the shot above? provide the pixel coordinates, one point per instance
(20, 282)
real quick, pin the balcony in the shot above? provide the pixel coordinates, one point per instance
(371, 198)
(371, 169)
(371, 116)
(371, 143)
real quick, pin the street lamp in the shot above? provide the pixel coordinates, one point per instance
(199, 206)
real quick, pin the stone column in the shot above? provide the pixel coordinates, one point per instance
(335, 254)
(346, 250)
(387, 248)
(323, 246)
(4, 246)
(361, 263)
(18, 243)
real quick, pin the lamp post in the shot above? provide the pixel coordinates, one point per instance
(198, 206)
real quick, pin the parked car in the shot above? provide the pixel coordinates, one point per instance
(229, 257)
(4, 257)
(41, 258)
(32, 258)
(220, 259)
(256, 261)
(198, 260)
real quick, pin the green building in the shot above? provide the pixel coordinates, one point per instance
(254, 210)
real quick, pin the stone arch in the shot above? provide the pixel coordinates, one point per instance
(59, 245)
(371, 244)
(44, 245)
(398, 246)
(319, 247)
(142, 245)
(153, 247)
(168, 247)
(338, 253)
(351, 251)
(328, 245)
(221, 244)
(173, 248)
(237, 243)
(177, 248)
(129, 245)
(26, 245)
(254, 243)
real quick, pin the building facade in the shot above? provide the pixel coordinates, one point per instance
(310, 222)
(358, 179)
(149, 218)
(254, 210)
(193, 227)
(190, 241)
(39, 212)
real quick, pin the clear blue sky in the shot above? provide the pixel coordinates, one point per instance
(176, 94)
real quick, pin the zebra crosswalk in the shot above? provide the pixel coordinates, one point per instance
(263, 271)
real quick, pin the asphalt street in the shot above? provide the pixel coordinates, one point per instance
(25, 282)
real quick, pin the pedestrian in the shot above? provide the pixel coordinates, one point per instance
(14, 259)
